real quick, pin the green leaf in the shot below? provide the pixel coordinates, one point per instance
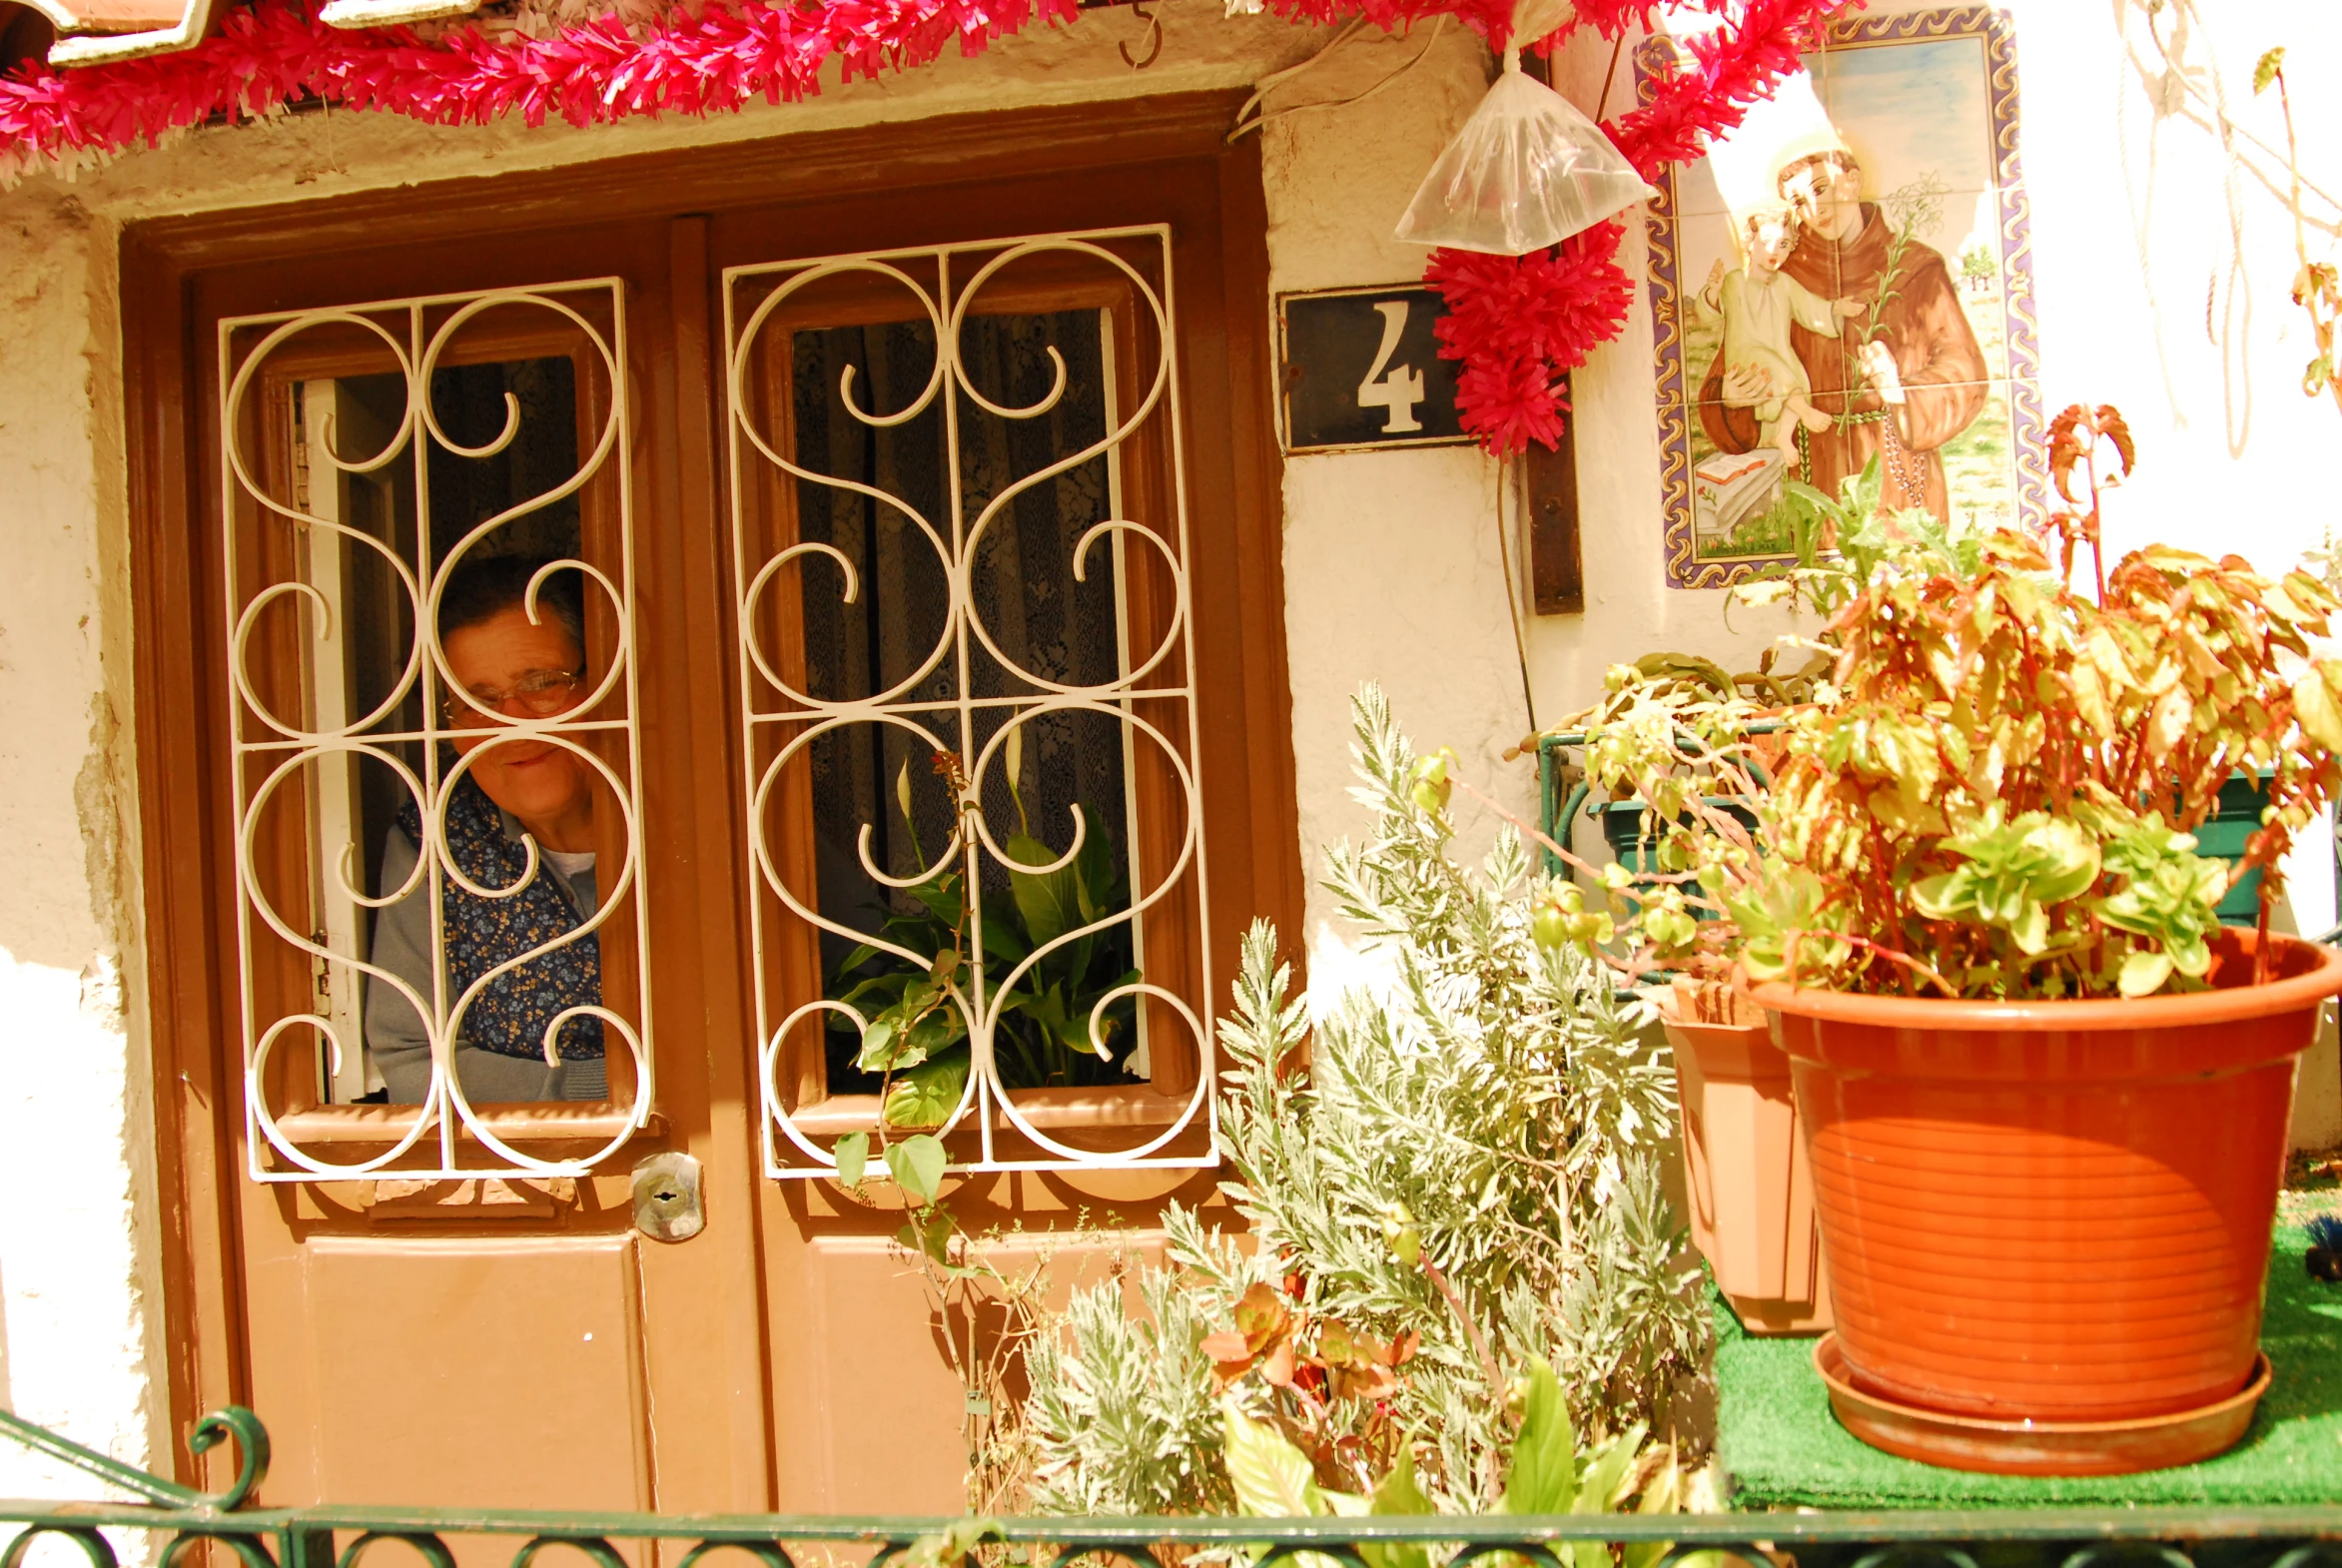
(940, 897)
(1051, 904)
(1002, 942)
(2143, 972)
(1544, 1476)
(852, 1152)
(918, 1167)
(1271, 1477)
(927, 1095)
(924, 1023)
(1068, 1026)
(885, 990)
(1605, 1470)
(937, 1030)
(876, 1053)
(933, 1237)
(1398, 1495)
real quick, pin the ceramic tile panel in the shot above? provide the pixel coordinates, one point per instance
(1913, 264)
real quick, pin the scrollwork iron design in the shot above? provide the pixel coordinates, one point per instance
(1148, 699)
(232, 1423)
(282, 757)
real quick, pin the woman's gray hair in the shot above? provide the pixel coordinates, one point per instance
(480, 589)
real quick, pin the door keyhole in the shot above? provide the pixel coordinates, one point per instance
(667, 1198)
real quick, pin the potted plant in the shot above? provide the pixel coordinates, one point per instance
(1745, 1175)
(2045, 1091)
(1670, 754)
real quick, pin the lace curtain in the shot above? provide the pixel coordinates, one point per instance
(1022, 582)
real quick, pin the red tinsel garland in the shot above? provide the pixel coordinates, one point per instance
(1521, 323)
(1517, 323)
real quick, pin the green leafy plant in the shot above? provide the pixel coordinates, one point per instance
(1450, 1176)
(1995, 791)
(916, 1035)
(1838, 541)
(1547, 1473)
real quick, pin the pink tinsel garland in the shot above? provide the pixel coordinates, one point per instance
(1517, 323)
(718, 59)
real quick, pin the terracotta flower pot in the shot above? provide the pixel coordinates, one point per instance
(1751, 1190)
(2053, 1211)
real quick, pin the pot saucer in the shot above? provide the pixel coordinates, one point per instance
(1966, 1442)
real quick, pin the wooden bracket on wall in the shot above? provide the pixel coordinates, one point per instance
(1549, 499)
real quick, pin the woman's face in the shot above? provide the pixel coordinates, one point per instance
(495, 660)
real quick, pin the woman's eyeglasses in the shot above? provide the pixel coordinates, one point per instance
(540, 693)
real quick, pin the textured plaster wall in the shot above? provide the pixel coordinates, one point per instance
(79, 1289)
(1393, 561)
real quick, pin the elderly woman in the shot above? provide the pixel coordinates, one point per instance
(504, 661)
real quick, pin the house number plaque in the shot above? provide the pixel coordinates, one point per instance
(1360, 367)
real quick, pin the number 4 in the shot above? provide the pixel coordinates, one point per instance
(1402, 388)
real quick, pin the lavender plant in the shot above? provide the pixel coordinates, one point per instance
(1452, 1188)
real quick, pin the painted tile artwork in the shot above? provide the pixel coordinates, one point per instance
(1847, 278)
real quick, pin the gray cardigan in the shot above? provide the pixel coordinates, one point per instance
(394, 1033)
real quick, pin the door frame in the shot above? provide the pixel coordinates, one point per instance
(184, 805)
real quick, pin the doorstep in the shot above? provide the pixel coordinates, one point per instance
(1780, 1446)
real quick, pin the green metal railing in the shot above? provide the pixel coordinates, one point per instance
(325, 1536)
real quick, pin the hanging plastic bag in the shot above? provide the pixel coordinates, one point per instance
(1527, 171)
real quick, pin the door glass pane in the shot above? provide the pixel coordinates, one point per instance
(969, 725)
(1046, 622)
(434, 742)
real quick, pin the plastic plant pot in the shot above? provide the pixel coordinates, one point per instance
(1623, 830)
(1746, 1173)
(2053, 1211)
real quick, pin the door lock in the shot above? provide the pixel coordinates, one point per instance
(667, 1198)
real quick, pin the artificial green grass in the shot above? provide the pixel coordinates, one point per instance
(1782, 1448)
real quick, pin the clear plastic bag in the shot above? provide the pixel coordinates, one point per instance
(1527, 171)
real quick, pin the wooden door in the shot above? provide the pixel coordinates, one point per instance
(874, 1411)
(475, 1317)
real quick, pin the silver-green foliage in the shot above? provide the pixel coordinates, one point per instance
(1487, 1110)
(1117, 1402)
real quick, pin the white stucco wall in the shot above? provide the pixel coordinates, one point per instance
(1392, 562)
(79, 1331)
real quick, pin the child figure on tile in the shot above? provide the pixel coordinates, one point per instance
(1758, 304)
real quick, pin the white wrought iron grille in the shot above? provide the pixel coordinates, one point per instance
(299, 534)
(883, 546)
